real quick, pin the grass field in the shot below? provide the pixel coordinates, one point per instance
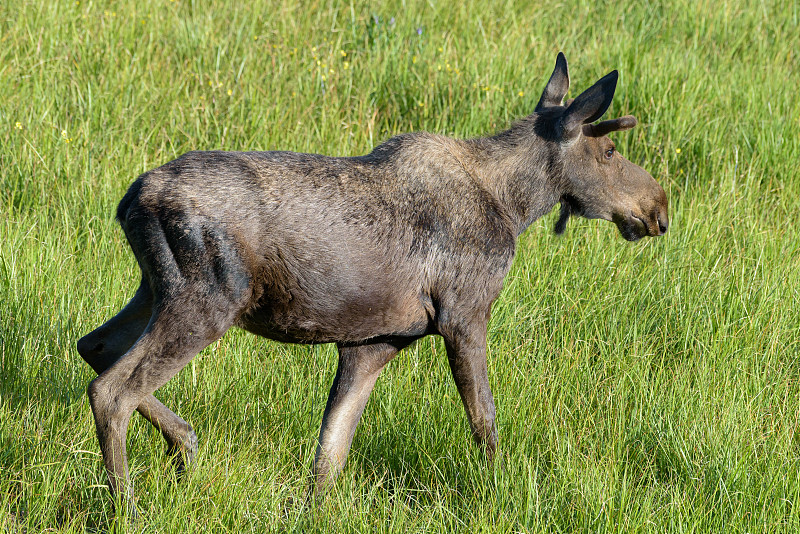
(649, 387)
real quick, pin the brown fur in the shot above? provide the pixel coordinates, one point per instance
(370, 252)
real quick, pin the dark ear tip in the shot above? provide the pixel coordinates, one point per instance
(561, 62)
(611, 77)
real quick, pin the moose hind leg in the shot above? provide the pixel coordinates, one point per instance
(358, 370)
(181, 327)
(106, 344)
(102, 347)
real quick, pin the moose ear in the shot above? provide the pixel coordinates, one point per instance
(557, 86)
(589, 105)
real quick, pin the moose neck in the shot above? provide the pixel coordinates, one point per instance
(523, 169)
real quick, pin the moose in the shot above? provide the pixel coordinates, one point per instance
(370, 252)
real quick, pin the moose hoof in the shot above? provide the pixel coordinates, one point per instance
(183, 451)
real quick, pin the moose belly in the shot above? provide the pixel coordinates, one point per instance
(346, 317)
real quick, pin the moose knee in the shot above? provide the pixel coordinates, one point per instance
(105, 402)
(98, 395)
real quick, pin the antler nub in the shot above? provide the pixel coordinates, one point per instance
(606, 127)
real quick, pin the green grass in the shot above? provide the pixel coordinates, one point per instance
(640, 388)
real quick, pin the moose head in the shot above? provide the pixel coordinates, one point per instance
(599, 182)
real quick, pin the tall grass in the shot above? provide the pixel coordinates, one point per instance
(646, 387)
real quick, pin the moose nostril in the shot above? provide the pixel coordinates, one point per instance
(663, 224)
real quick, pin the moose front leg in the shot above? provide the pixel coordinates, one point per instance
(466, 353)
(359, 367)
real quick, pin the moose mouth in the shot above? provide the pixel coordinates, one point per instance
(631, 227)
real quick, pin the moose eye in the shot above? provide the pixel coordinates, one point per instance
(609, 153)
